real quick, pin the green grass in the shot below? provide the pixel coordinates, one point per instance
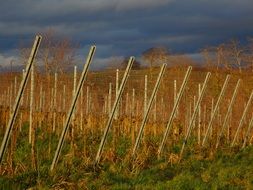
(227, 169)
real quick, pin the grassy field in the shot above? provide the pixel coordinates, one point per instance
(200, 169)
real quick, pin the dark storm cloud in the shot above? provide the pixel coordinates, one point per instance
(128, 27)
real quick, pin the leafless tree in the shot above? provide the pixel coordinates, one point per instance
(155, 56)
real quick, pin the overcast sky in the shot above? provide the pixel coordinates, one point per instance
(126, 27)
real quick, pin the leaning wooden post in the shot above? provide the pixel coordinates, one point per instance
(228, 112)
(215, 109)
(172, 115)
(195, 113)
(72, 107)
(18, 98)
(148, 108)
(242, 119)
(115, 105)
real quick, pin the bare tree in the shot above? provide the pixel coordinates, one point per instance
(248, 54)
(235, 53)
(57, 52)
(155, 56)
(206, 53)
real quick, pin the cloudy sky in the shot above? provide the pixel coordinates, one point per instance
(122, 28)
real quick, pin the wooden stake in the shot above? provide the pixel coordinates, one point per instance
(216, 108)
(228, 112)
(172, 115)
(242, 118)
(18, 98)
(195, 113)
(145, 93)
(148, 109)
(72, 107)
(31, 106)
(109, 122)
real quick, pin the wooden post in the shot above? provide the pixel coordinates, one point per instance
(204, 120)
(22, 98)
(72, 107)
(247, 133)
(115, 105)
(195, 113)
(228, 112)
(194, 105)
(64, 98)
(116, 93)
(175, 95)
(54, 101)
(18, 98)
(40, 105)
(15, 86)
(216, 108)
(242, 118)
(10, 99)
(110, 99)
(199, 116)
(74, 90)
(172, 115)
(133, 103)
(145, 94)
(31, 106)
(81, 110)
(148, 109)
